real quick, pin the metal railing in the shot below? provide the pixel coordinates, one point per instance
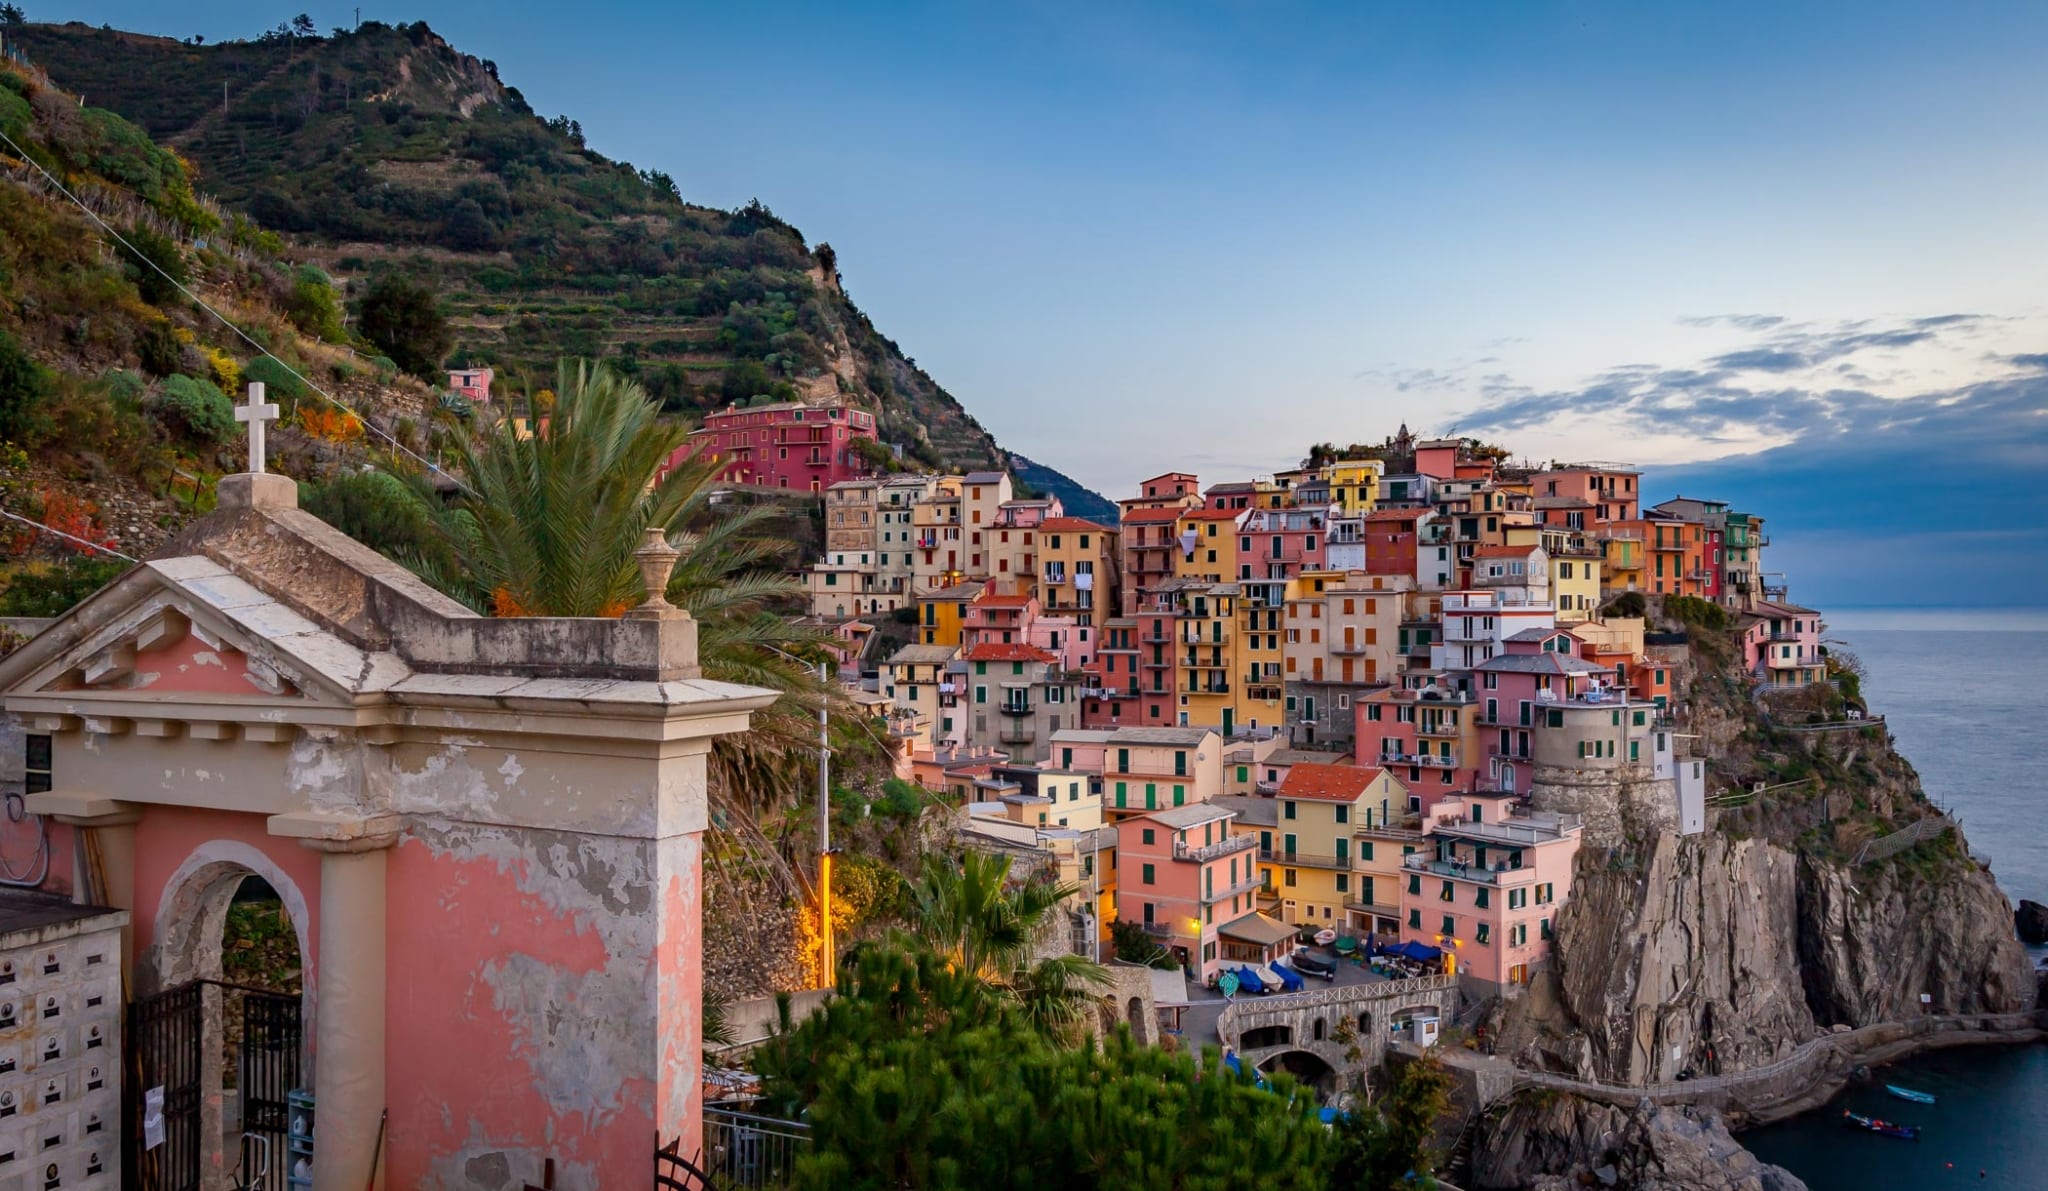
(1303, 859)
(746, 1151)
(1224, 847)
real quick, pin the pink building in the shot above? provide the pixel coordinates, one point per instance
(1489, 887)
(1610, 494)
(1425, 731)
(473, 383)
(1111, 693)
(1537, 668)
(1181, 875)
(808, 448)
(1781, 644)
(1282, 543)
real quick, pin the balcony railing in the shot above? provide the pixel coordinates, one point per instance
(1229, 891)
(1014, 708)
(1437, 728)
(1348, 648)
(1158, 930)
(1224, 847)
(1304, 859)
(1495, 874)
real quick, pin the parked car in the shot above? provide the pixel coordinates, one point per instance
(1308, 963)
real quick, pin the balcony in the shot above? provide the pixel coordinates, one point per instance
(1158, 930)
(1157, 639)
(1499, 874)
(1214, 688)
(1014, 707)
(1021, 731)
(1442, 728)
(1229, 891)
(1221, 848)
(1348, 648)
(1054, 575)
(1304, 859)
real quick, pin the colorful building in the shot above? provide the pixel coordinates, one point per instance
(1147, 769)
(1781, 644)
(1181, 874)
(1306, 861)
(1426, 730)
(808, 448)
(1018, 696)
(1487, 887)
(1077, 574)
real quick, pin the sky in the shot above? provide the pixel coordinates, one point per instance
(1787, 254)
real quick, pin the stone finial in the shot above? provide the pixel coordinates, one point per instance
(657, 561)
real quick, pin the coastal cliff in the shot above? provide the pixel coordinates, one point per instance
(1826, 894)
(1554, 1142)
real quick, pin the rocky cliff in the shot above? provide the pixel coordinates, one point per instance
(1722, 951)
(1551, 1142)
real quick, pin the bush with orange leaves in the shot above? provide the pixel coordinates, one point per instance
(329, 423)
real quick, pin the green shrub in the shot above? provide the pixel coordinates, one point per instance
(158, 350)
(123, 386)
(314, 307)
(900, 799)
(155, 255)
(278, 381)
(53, 591)
(24, 396)
(196, 409)
(378, 510)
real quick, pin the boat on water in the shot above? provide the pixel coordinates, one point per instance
(1887, 1128)
(1909, 1094)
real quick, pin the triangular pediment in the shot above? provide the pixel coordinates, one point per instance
(185, 630)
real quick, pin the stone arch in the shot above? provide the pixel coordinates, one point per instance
(1364, 1024)
(1307, 1066)
(1106, 1013)
(1321, 1029)
(1260, 1037)
(1134, 1013)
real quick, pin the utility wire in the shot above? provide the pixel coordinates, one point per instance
(224, 321)
(67, 537)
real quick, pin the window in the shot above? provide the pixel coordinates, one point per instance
(1365, 848)
(1448, 893)
(37, 765)
(1415, 920)
(1289, 879)
(1244, 772)
(1450, 926)
(1287, 810)
(1146, 834)
(1485, 934)
(1146, 877)
(1343, 883)
(1544, 928)
(981, 694)
(1343, 816)
(1543, 894)
(1482, 898)
(1414, 884)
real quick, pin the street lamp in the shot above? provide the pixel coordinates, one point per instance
(825, 951)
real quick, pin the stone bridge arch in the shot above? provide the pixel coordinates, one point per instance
(1346, 1027)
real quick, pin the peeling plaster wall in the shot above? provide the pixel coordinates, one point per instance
(536, 1005)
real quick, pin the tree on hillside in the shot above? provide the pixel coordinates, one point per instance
(1387, 1143)
(919, 1075)
(302, 25)
(11, 14)
(971, 915)
(404, 320)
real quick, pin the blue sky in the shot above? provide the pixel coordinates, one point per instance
(1791, 254)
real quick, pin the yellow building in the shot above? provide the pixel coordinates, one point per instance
(1205, 545)
(1262, 651)
(1621, 557)
(1077, 571)
(938, 547)
(1354, 485)
(1207, 654)
(941, 613)
(1308, 862)
(1575, 567)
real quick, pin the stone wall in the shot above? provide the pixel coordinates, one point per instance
(1314, 1020)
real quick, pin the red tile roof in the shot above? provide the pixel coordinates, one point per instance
(997, 652)
(1148, 516)
(994, 599)
(1071, 524)
(1502, 551)
(1395, 514)
(1213, 514)
(1330, 783)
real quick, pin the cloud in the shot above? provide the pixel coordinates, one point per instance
(2039, 360)
(1741, 322)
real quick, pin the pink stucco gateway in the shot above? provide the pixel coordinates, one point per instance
(485, 833)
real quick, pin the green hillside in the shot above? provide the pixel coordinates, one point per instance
(115, 406)
(385, 147)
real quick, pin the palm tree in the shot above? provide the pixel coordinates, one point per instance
(975, 919)
(551, 512)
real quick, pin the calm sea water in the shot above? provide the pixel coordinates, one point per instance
(1964, 693)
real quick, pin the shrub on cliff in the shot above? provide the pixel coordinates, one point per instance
(195, 409)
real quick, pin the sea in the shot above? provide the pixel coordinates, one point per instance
(1965, 692)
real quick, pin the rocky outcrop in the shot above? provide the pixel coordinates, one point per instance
(1684, 957)
(1875, 939)
(1552, 1142)
(2031, 921)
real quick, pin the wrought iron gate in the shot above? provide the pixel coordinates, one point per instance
(271, 1038)
(165, 1038)
(166, 1049)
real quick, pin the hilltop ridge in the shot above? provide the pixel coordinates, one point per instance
(386, 146)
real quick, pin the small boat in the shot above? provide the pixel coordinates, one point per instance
(1859, 1121)
(1909, 1094)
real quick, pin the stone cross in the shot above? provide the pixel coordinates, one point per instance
(256, 413)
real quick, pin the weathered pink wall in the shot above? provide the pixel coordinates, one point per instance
(168, 835)
(518, 1019)
(18, 846)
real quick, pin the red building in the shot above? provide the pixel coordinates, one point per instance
(805, 447)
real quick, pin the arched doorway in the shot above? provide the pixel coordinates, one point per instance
(1134, 1015)
(223, 1021)
(1307, 1068)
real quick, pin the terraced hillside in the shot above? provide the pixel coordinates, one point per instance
(387, 147)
